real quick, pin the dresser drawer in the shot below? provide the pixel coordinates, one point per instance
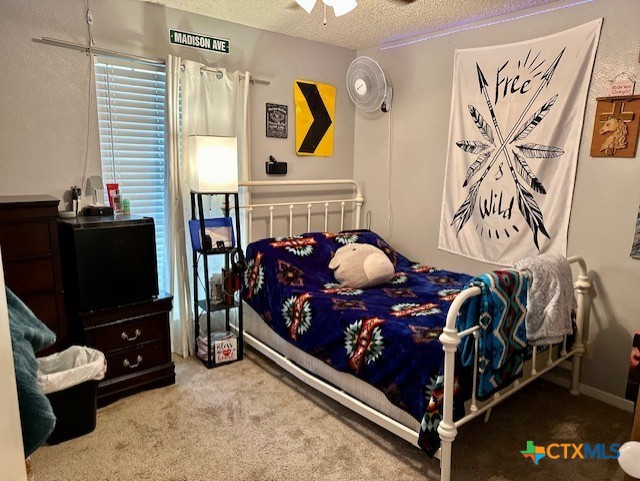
(134, 360)
(133, 332)
(24, 277)
(25, 239)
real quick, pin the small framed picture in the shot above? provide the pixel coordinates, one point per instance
(218, 234)
(277, 121)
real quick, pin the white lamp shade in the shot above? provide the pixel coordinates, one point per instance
(306, 4)
(340, 7)
(213, 163)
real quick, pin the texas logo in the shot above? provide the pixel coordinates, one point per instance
(533, 452)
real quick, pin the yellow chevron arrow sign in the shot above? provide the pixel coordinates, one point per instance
(315, 117)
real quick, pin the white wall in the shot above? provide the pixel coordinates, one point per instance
(44, 89)
(606, 195)
(11, 446)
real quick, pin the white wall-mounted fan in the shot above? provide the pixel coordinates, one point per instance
(367, 85)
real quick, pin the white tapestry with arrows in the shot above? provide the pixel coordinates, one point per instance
(516, 118)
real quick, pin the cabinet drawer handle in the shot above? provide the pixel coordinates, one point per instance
(126, 363)
(137, 333)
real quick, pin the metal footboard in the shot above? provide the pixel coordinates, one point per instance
(451, 338)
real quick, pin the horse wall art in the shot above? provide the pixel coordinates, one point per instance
(615, 131)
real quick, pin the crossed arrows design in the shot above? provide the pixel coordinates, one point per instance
(526, 202)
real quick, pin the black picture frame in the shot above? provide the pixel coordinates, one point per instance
(277, 121)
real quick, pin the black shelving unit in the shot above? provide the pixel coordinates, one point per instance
(205, 305)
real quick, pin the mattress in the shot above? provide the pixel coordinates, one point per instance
(372, 397)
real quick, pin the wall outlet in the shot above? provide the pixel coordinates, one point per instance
(589, 348)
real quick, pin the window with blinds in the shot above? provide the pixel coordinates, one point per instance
(131, 115)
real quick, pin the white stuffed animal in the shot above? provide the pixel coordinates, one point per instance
(361, 266)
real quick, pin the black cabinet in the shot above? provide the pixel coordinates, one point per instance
(108, 261)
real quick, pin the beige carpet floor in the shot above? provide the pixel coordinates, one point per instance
(252, 421)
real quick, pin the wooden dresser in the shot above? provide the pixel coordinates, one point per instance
(135, 340)
(31, 255)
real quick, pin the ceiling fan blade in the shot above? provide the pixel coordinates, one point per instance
(306, 4)
(343, 6)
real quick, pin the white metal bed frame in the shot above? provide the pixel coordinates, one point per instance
(450, 337)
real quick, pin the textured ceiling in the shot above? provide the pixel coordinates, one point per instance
(371, 23)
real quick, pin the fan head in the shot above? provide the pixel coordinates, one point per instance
(366, 84)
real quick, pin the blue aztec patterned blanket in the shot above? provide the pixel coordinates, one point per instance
(387, 336)
(500, 312)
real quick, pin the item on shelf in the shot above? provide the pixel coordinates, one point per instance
(111, 190)
(216, 230)
(117, 202)
(223, 346)
(97, 211)
(231, 284)
(238, 262)
(126, 206)
(76, 192)
(215, 284)
(97, 187)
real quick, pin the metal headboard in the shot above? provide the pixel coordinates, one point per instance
(356, 200)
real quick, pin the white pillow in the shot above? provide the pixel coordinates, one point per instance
(361, 265)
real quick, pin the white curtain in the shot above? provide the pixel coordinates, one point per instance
(179, 265)
(213, 103)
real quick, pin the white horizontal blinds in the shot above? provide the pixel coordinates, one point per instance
(132, 119)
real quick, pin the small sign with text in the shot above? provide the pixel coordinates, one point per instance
(196, 40)
(618, 89)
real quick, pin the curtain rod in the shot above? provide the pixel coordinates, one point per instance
(115, 54)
